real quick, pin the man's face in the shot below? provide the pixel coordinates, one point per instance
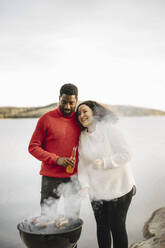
(67, 104)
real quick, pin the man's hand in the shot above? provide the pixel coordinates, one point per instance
(62, 161)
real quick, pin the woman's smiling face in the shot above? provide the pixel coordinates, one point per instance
(85, 115)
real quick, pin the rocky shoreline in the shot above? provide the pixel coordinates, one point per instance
(153, 231)
(36, 112)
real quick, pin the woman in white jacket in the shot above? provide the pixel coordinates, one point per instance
(104, 172)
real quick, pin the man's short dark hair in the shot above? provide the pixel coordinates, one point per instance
(69, 89)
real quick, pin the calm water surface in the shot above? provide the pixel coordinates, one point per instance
(20, 179)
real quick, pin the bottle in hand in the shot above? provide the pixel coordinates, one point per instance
(69, 168)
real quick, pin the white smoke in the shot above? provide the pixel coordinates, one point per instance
(50, 207)
(56, 214)
(71, 198)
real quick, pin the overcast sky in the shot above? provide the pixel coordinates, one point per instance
(113, 50)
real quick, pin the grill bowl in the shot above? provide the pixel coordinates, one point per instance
(64, 238)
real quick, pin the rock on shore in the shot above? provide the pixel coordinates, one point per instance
(153, 231)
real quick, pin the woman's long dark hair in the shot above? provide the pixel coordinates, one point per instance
(99, 112)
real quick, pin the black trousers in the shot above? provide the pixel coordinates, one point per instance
(49, 187)
(110, 219)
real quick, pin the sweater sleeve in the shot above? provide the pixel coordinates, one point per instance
(120, 152)
(37, 142)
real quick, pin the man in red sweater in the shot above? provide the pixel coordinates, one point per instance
(53, 140)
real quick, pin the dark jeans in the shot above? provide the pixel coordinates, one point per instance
(49, 186)
(110, 219)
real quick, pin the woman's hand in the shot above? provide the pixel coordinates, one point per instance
(134, 190)
(98, 163)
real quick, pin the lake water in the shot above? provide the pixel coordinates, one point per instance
(20, 179)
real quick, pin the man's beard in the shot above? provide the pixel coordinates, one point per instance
(68, 113)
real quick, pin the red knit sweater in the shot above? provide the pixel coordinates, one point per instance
(55, 136)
